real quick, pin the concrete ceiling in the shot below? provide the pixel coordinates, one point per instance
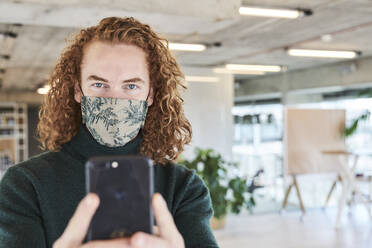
(47, 23)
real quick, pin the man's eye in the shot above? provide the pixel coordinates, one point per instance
(98, 85)
(132, 86)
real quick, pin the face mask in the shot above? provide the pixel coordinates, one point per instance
(113, 122)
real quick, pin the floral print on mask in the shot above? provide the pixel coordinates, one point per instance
(113, 122)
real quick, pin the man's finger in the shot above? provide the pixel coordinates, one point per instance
(155, 230)
(115, 243)
(144, 240)
(164, 219)
(78, 225)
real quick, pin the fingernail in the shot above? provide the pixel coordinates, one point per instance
(89, 200)
(138, 240)
(161, 199)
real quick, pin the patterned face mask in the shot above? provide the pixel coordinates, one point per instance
(113, 122)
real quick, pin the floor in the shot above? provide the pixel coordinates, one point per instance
(268, 228)
(288, 230)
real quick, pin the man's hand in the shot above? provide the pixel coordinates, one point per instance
(77, 228)
(166, 233)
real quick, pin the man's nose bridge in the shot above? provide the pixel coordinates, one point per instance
(116, 91)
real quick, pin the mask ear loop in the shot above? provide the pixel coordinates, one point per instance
(81, 90)
(147, 98)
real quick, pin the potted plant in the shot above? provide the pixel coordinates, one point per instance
(350, 130)
(229, 193)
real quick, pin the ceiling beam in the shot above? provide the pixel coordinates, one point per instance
(332, 77)
(157, 13)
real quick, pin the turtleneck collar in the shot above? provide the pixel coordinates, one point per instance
(83, 146)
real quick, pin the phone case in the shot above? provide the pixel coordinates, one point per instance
(124, 185)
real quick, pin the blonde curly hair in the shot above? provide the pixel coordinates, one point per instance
(166, 129)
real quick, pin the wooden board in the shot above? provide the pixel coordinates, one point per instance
(7, 146)
(308, 132)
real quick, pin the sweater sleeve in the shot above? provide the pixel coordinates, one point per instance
(193, 215)
(20, 218)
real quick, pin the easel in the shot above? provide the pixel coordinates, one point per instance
(285, 201)
(306, 132)
(339, 179)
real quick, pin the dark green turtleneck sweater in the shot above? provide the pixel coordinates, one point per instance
(40, 195)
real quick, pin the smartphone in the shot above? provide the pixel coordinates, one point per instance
(124, 185)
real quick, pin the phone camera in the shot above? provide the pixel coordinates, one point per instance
(115, 164)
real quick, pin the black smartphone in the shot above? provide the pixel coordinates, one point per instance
(124, 185)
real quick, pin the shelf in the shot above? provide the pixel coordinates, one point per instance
(7, 114)
(6, 137)
(10, 114)
(7, 126)
(13, 125)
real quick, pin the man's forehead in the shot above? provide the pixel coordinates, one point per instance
(109, 62)
(105, 46)
(101, 52)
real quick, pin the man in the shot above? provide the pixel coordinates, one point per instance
(125, 68)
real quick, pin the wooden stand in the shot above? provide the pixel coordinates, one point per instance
(339, 179)
(285, 201)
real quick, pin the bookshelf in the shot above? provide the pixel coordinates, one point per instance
(13, 134)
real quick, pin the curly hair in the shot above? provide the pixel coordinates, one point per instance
(166, 129)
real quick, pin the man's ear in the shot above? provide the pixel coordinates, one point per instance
(150, 99)
(77, 93)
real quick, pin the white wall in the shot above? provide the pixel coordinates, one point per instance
(208, 107)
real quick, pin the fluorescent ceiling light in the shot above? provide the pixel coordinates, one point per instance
(187, 47)
(266, 68)
(323, 53)
(226, 71)
(264, 12)
(43, 90)
(201, 79)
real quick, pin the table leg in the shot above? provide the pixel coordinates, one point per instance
(285, 201)
(342, 202)
(299, 195)
(355, 187)
(332, 189)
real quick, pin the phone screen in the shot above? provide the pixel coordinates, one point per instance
(124, 185)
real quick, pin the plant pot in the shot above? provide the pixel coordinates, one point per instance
(218, 223)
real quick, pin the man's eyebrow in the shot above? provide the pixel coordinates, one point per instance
(94, 77)
(131, 80)
(134, 80)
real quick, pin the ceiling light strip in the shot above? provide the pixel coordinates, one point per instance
(187, 47)
(201, 79)
(265, 68)
(266, 12)
(322, 53)
(226, 71)
(43, 90)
